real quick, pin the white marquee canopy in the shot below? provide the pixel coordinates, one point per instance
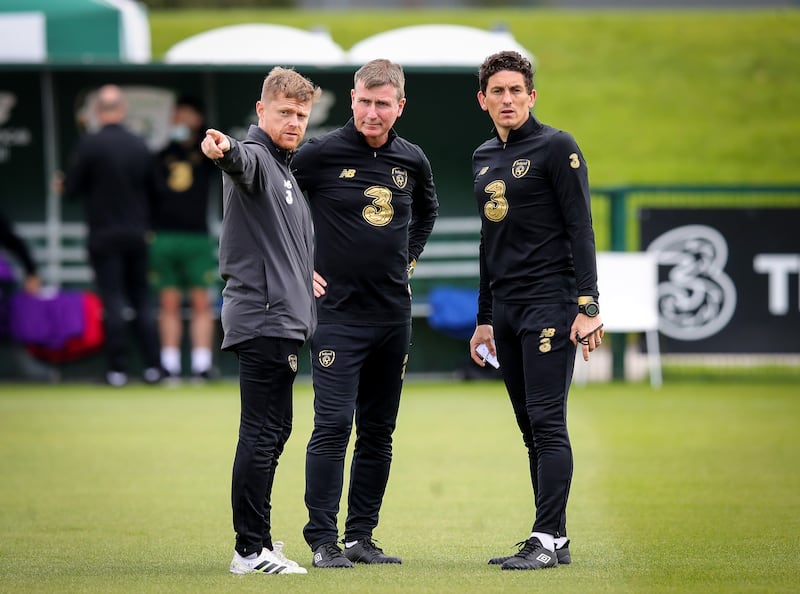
(435, 45)
(258, 44)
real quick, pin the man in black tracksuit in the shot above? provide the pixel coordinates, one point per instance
(538, 285)
(374, 204)
(268, 311)
(113, 171)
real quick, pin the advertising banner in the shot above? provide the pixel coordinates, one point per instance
(729, 279)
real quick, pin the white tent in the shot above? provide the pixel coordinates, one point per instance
(258, 44)
(435, 45)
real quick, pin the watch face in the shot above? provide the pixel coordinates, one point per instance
(591, 309)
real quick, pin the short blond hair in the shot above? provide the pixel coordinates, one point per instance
(377, 73)
(287, 82)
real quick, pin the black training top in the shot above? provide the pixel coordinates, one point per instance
(183, 180)
(113, 171)
(537, 242)
(373, 212)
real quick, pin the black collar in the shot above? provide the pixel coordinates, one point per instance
(350, 129)
(529, 128)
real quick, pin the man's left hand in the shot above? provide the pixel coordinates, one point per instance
(588, 332)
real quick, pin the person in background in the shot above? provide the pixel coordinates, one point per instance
(538, 286)
(112, 170)
(14, 244)
(374, 204)
(183, 256)
(266, 260)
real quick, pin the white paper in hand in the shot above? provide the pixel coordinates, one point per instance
(483, 351)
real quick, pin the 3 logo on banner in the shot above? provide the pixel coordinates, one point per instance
(698, 299)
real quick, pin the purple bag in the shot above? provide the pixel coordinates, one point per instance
(47, 321)
(6, 290)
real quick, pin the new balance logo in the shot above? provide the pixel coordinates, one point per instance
(347, 173)
(544, 558)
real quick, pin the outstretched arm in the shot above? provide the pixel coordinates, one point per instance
(215, 144)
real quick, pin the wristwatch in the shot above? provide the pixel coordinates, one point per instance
(588, 306)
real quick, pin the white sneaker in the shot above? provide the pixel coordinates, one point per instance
(277, 550)
(266, 562)
(116, 378)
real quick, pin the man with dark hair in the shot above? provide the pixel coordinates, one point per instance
(266, 260)
(113, 171)
(182, 253)
(538, 285)
(374, 204)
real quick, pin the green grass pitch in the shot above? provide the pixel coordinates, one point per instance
(691, 488)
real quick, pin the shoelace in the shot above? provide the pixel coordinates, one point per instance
(277, 550)
(333, 550)
(526, 547)
(369, 545)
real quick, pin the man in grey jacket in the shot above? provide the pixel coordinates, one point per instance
(266, 260)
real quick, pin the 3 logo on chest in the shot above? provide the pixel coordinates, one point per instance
(287, 185)
(379, 212)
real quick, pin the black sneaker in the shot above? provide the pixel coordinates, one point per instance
(531, 556)
(330, 555)
(562, 554)
(366, 551)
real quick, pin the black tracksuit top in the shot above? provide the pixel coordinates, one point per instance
(373, 211)
(183, 180)
(113, 171)
(537, 243)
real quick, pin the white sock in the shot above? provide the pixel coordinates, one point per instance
(547, 540)
(560, 541)
(201, 359)
(251, 556)
(171, 360)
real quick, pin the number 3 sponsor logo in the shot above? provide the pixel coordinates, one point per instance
(698, 299)
(380, 211)
(496, 208)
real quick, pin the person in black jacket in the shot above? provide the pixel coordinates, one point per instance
(374, 204)
(538, 285)
(113, 171)
(266, 260)
(15, 245)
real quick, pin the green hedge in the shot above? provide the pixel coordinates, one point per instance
(652, 96)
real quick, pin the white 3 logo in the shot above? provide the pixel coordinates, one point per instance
(699, 298)
(289, 196)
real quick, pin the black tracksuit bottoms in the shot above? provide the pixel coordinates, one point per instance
(267, 369)
(356, 370)
(537, 360)
(120, 269)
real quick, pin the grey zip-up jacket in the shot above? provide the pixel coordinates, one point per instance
(265, 245)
